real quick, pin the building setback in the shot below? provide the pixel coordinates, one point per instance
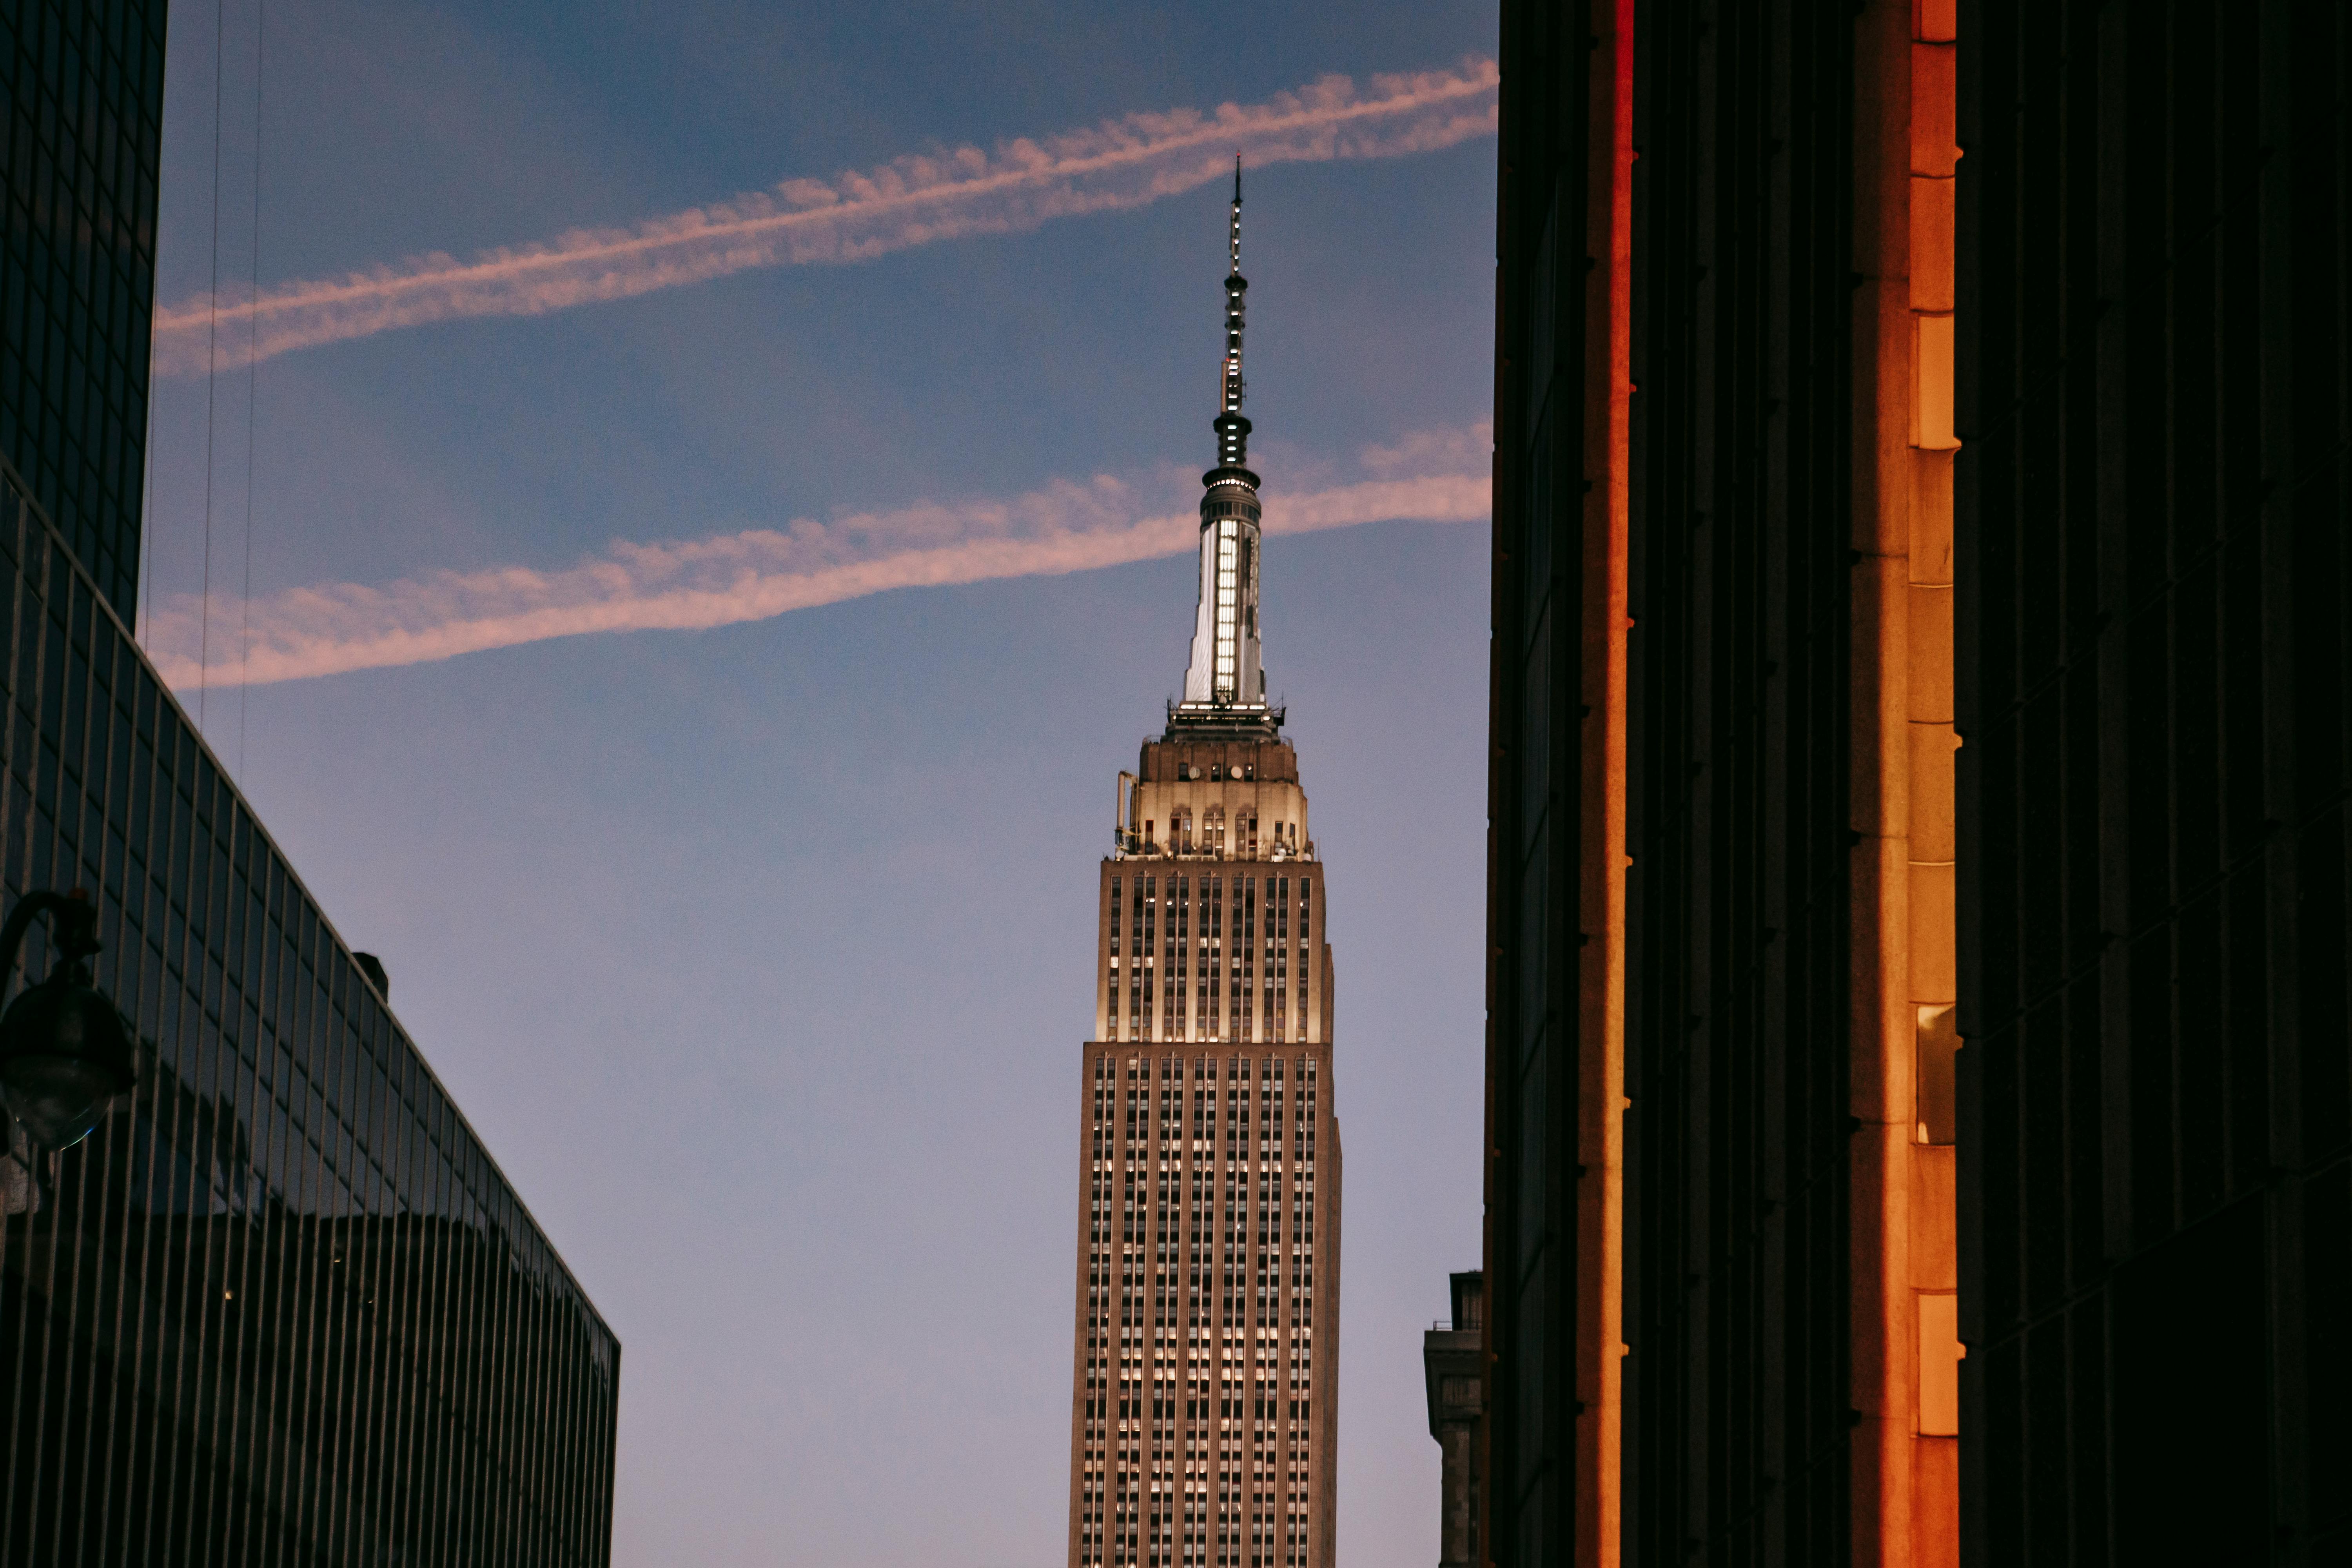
(281, 1306)
(1204, 1370)
(1454, 1371)
(1920, 1098)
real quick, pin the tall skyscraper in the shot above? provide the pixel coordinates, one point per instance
(1205, 1368)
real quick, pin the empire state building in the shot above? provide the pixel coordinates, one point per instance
(1205, 1368)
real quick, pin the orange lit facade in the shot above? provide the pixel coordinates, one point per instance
(1919, 1002)
(1724, 445)
(1905, 1260)
(1601, 816)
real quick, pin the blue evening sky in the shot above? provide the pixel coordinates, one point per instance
(761, 955)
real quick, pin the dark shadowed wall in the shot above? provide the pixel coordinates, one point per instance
(1737, 1045)
(2155, 1110)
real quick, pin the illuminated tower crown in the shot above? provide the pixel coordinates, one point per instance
(1225, 686)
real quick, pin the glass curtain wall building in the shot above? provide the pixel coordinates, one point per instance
(281, 1306)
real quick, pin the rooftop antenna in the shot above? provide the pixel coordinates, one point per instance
(1237, 212)
(1232, 430)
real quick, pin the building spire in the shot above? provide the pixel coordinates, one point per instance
(1225, 686)
(1237, 213)
(1232, 430)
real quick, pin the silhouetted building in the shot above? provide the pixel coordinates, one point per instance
(1453, 1367)
(1917, 781)
(1206, 1368)
(81, 134)
(280, 1307)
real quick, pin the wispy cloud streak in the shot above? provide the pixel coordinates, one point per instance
(1063, 527)
(912, 201)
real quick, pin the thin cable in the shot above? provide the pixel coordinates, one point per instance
(141, 608)
(212, 379)
(252, 396)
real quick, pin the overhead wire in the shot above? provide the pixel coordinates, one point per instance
(141, 608)
(212, 379)
(252, 396)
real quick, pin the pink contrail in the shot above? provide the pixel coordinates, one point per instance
(1063, 527)
(912, 201)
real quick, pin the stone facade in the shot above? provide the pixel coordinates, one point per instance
(1205, 1368)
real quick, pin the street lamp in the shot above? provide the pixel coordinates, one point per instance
(65, 1050)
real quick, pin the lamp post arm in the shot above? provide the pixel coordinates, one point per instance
(30, 908)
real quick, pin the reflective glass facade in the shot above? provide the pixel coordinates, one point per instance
(280, 1307)
(81, 100)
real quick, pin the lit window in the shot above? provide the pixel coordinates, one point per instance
(1227, 678)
